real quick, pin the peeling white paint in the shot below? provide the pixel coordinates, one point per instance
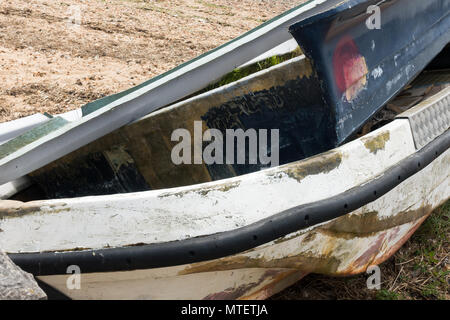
(395, 59)
(393, 82)
(434, 190)
(377, 72)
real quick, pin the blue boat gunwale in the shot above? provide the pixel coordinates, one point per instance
(327, 15)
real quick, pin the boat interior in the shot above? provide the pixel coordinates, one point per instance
(279, 93)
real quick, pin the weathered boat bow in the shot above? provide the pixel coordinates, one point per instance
(362, 65)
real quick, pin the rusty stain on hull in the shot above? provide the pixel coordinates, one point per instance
(203, 191)
(370, 257)
(300, 262)
(325, 259)
(233, 293)
(259, 290)
(281, 282)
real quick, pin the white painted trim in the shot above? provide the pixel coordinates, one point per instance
(14, 128)
(73, 115)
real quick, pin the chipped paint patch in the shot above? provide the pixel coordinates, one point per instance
(359, 69)
(225, 187)
(233, 293)
(118, 157)
(13, 209)
(322, 163)
(377, 143)
(350, 68)
(410, 69)
(371, 222)
(278, 284)
(391, 83)
(377, 72)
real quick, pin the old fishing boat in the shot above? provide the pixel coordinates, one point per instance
(361, 167)
(351, 61)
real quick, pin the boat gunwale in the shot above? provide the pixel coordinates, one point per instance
(127, 106)
(219, 245)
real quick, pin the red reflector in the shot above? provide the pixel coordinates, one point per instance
(348, 64)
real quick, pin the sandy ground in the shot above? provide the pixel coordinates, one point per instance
(56, 56)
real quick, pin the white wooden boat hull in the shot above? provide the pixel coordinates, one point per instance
(259, 273)
(105, 227)
(110, 113)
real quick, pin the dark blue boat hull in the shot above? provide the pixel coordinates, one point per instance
(360, 69)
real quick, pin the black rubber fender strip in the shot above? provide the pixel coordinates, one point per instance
(235, 241)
